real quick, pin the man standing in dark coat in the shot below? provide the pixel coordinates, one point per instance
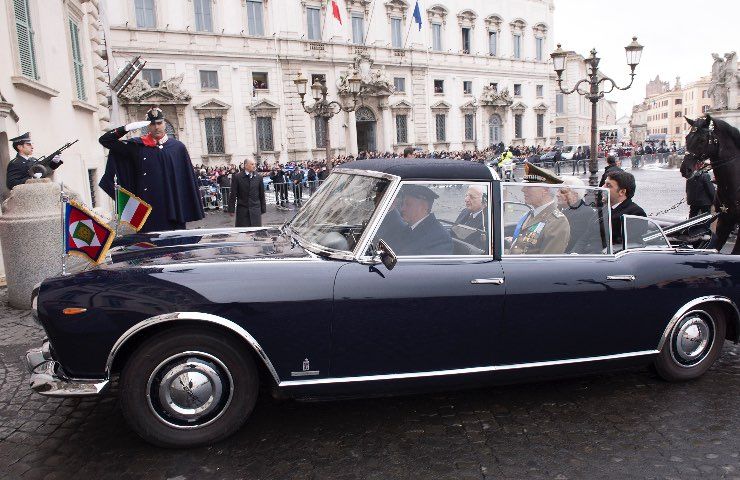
(621, 187)
(248, 192)
(611, 166)
(155, 168)
(699, 189)
(18, 167)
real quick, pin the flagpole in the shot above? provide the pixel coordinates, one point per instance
(63, 199)
(115, 188)
(369, 22)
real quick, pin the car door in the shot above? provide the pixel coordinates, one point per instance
(564, 305)
(430, 313)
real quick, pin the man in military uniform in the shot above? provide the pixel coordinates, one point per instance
(23, 161)
(543, 230)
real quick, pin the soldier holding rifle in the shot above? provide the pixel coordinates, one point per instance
(19, 169)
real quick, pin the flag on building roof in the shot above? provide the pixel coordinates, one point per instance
(86, 234)
(131, 209)
(417, 14)
(335, 11)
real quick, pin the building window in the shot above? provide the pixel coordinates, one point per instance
(494, 86)
(492, 43)
(399, 83)
(318, 77)
(677, 114)
(703, 94)
(152, 76)
(209, 80)
(469, 127)
(203, 16)
(704, 108)
(320, 131)
(396, 34)
(26, 47)
(255, 24)
(264, 134)
(678, 129)
(540, 125)
(439, 86)
(465, 40)
(214, 135)
(517, 89)
(467, 87)
(358, 29)
(313, 19)
(518, 125)
(559, 129)
(679, 101)
(259, 81)
(540, 90)
(145, 17)
(402, 135)
(517, 43)
(439, 123)
(79, 69)
(559, 103)
(538, 46)
(437, 37)
(91, 174)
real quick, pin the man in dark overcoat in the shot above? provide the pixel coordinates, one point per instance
(156, 168)
(248, 193)
(18, 167)
(425, 235)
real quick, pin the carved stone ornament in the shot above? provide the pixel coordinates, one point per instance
(375, 82)
(140, 91)
(492, 97)
(725, 82)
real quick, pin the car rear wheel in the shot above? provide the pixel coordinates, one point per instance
(188, 387)
(692, 345)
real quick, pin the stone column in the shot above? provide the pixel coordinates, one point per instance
(387, 122)
(5, 110)
(352, 127)
(31, 235)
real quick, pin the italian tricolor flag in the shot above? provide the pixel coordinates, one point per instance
(132, 209)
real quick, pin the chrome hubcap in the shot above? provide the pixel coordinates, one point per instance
(693, 338)
(189, 390)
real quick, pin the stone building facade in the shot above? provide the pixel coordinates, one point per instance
(477, 73)
(55, 86)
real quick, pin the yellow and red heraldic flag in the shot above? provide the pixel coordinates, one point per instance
(86, 235)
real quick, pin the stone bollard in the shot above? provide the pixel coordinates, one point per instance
(31, 236)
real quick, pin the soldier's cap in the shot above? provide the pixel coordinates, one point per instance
(420, 191)
(535, 174)
(154, 114)
(21, 139)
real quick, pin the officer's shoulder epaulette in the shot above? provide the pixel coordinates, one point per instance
(557, 213)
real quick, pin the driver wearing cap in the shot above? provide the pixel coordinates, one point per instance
(425, 235)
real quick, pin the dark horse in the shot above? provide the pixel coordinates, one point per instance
(719, 142)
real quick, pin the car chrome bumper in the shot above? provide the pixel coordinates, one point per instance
(47, 377)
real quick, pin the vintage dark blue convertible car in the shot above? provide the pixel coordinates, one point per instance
(466, 288)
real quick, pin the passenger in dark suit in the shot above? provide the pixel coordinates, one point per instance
(426, 236)
(621, 187)
(474, 216)
(248, 192)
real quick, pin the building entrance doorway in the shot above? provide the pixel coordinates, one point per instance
(365, 124)
(494, 130)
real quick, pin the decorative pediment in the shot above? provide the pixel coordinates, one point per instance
(540, 29)
(437, 14)
(397, 8)
(264, 108)
(212, 105)
(467, 18)
(541, 108)
(492, 97)
(469, 107)
(518, 25)
(358, 6)
(441, 105)
(518, 107)
(168, 91)
(493, 22)
(375, 82)
(403, 105)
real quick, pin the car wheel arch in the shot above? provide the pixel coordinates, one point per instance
(134, 336)
(726, 306)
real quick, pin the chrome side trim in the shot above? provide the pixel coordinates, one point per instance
(462, 371)
(197, 316)
(690, 306)
(621, 278)
(490, 281)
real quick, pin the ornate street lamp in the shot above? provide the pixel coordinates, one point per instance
(324, 108)
(594, 92)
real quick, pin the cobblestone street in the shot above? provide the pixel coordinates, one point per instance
(620, 425)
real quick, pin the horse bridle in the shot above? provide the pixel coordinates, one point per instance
(711, 141)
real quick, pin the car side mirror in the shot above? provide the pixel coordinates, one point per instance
(387, 257)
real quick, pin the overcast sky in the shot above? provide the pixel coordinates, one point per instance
(679, 37)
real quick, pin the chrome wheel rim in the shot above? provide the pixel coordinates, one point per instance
(189, 390)
(692, 338)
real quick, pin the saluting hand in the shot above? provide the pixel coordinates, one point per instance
(136, 125)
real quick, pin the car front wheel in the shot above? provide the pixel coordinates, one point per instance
(692, 345)
(188, 387)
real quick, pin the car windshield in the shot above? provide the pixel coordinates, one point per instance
(340, 211)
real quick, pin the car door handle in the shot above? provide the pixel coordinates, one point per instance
(621, 278)
(487, 281)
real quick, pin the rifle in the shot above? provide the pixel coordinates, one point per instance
(44, 165)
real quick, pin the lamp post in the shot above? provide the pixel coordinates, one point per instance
(594, 92)
(324, 108)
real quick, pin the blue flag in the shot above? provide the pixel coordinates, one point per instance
(417, 14)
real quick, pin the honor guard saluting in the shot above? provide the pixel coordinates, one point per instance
(155, 168)
(18, 167)
(544, 229)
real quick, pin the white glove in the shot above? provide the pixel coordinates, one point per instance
(136, 125)
(56, 159)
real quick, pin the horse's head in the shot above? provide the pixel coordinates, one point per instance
(689, 164)
(701, 140)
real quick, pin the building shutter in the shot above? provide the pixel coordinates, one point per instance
(26, 49)
(79, 70)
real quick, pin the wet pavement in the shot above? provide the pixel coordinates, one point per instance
(619, 425)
